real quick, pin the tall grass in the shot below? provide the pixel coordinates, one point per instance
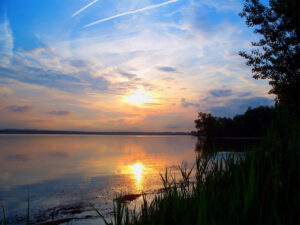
(4, 220)
(3, 216)
(260, 188)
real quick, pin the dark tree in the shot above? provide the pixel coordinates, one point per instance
(252, 123)
(205, 124)
(276, 55)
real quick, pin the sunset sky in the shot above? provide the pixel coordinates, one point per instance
(123, 65)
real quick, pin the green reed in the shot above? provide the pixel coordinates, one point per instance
(3, 216)
(4, 220)
(262, 187)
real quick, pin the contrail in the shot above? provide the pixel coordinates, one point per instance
(130, 12)
(85, 7)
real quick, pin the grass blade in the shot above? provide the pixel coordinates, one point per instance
(3, 215)
(105, 221)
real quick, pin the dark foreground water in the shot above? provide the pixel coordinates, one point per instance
(64, 176)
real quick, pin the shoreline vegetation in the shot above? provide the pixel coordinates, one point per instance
(262, 187)
(252, 124)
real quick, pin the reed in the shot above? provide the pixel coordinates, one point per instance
(3, 216)
(262, 187)
(4, 220)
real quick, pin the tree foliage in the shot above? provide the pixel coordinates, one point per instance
(250, 124)
(276, 55)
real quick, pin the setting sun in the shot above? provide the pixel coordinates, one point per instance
(139, 97)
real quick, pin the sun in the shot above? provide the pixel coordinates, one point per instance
(139, 97)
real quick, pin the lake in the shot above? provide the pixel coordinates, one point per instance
(65, 176)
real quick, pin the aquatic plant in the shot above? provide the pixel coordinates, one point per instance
(4, 220)
(262, 187)
(3, 216)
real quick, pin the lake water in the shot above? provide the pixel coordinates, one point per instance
(64, 176)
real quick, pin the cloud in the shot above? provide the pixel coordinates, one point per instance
(151, 104)
(6, 43)
(168, 79)
(59, 154)
(5, 91)
(18, 109)
(79, 63)
(17, 157)
(130, 12)
(60, 113)
(97, 67)
(221, 92)
(224, 5)
(239, 106)
(55, 79)
(167, 69)
(126, 74)
(98, 83)
(245, 94)
(117, 115)
(138, 51)
(186, 104)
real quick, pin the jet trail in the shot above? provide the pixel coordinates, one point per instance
(130, 12)
(85, 7)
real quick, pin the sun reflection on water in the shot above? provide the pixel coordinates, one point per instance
(137, 170)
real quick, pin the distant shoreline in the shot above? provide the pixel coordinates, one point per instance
(32, 131)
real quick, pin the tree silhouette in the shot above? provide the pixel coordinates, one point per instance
(205, 123)
(252, 123)
(276, 55)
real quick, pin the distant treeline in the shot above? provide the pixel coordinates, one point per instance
(30, 131)
(252, 123)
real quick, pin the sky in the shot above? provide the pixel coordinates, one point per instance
(123, 65)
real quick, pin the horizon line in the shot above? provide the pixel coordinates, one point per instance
(41, 131)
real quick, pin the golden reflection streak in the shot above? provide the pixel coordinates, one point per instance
(137, 170)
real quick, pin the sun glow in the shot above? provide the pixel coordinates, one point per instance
(139, 97)
(137, 170)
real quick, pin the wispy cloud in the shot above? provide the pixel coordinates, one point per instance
(6, 42)
(17, 157)
(59, 154)
(18, 109)
(221, 92)
(5, 91)
(167, 69)
(60, 113)
(236, 106)
(84, 8)
(186, 104)
(130, 12)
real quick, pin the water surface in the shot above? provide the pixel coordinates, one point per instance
(64, 175)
